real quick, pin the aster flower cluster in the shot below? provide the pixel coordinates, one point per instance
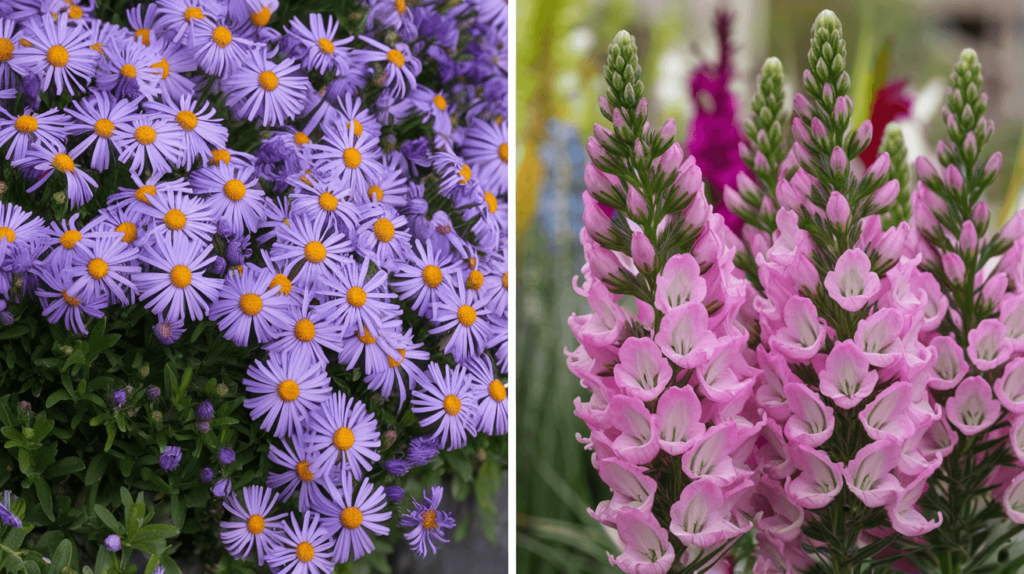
(308, 188)
(843, 383)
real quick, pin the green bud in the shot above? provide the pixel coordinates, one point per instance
(67, 349)
(158, 416)
(3, 187)
(144, 370)
(29, 432)
(221, 390)
(60, 198)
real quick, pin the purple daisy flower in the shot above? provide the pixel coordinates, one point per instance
(59, 306)
(200, 130)
(420, 277)
(259, 87)
(101, 116)
(459, 309)
(351, 515)
(233, 192)
(344, 434)
(167, 331)
(454, 172)
(305, 333)
(128, 227)
(59, 53)
(179, 18)
(382, 236)
(6, 516)
(392, 190)
(352, 113)
(322, 251)
(300, 473)
(428, 524)
(392, 14)
(248, 300)
(46, 128)
(174, 64)
(257, 526)
(433, 106)
(491, 395)
(170, 458)
(316, 45)
(371, 344)
(216, 49)
(402, 67)
(153, 138)
(178, 215)
(385, 381)
(178, 283)
(128, 71)
(325, 196)
(302, 549)
(486, 151)
(132, 199)
(355, 161)
(48, 160)
(142, 19)
(354, 299)
(447, 399)
(498, 343)
(102, 268)
(9, 42)
(285, 389)
(422, 450)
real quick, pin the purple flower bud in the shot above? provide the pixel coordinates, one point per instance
(219, 266)
(117, 398)
(838, 208)
(838, 161)
(594, 150)
(170, 458)
(206, 475)
(801, 105)
(843, 106)
(879, 167)
(954, 179)
(993, 164)
(602, 134)
(205, 411)
(635, 202)
(422, 450)
(668, 130)
(394, 494)
(862, 137)
(671, 159)
(203, 427)
(954, 267)
(153, 392)
(235, 254)
(617, 119)
(995, 288)
(396, 466)
(641, 107)
(596, 221)
(222, 487)
(885, 195)
(642, 251)
(6, 318)
(818, 130)
(968, 236)
(827, 92)
(112, 543)
(801, 154)
(760, 162)
(602, 101)
(225, 455)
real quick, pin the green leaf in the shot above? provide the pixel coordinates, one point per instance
(64, 467)
(135, 517)
(108, 519)
(60, 558)
(97, 466)
(45, 497)
(111, 435)
(13, 332)
(156, 532)
(178, 510)
(58, 396)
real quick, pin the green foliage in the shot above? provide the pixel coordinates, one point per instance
(893, 144)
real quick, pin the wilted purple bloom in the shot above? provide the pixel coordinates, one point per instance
(428, 524)
(168, 330)
(206, 475)
(422, 450)
(203, 427)
(394, 493)
(226, 455)
(112, 543)
(396, 466)
(205, 411)
(6, 318)
(170, 458)
(153, 392)
(222, 488)
(117, 399)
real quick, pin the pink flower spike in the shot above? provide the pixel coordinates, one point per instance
(847, 379)
(972, 408)
(987, 347)
(820, 479)
(701, 516)
(679, 282)
(646, 546)
(638, 443)
(680, 412)
(950, 366)
(630, 486)
(879, 337)
(904, 517)
(869, 475)
(812, 422)
(684, 336)
(643, 372)
(710, 457)
(852, 284)
(804, 332)
(888, 415)
(1010, 387)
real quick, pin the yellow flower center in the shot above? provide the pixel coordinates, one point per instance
(400, 6)
(250, 304)
(144, 33)
(375, 192)
(302, 469)
(6, 49)
(328, 202)
(352, 158)
(465, 173)
(57, 56)
(315, 252)
(432, 276)
(181, 276)
(24, 42)
(356, 297)
(220, 156)
(384, 230)
(358, 129)
(70, 238)
(396, 58)
(366, 337)
(492, 202)
(429, 519)
(351, 517)
(221, 36)
(393, 363)
(440, 102)
(304, 551)
(284, 282)
(301, 138)
(73, 301)
(504, 280)
(104, 128)
(325, 46)
(7, 233)
(497, 391)
(145, 135)
(475, 280)
(467, 315)
(63, 162)
(503, 152)
(452, 405)
(193, 12)
(128, 71)
(187, 120)
(174, 220)
(255, 524)
(268, 81)
(261, 18)
(97, 268)
(163, 65)
(142, 192)
(129, 231)
(234, 189)
(305, 330)
(26, 124)
(344, 439)
(98, 46)
(288, 390)
(75, 12)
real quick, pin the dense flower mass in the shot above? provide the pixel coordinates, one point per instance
(327, 195)
(844, 376)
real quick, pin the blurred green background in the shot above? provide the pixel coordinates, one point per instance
(561, 51)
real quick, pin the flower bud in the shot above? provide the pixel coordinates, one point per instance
(388, 438)
(800, 133)
(968, 236)
(801, 105)
(118, 398)
(862, 137)
(818, 130)
(1014, 228)
(890, 243)
(594, 219)
(838, 161)
(598, 181)
(993, 164)
(394, 494)
(760, 162)
(157, 416)
(885, 195)
(925, 169)
(203, 427)
(641, 107)
(800, 154)
(144, 372)
(206, 475)
(219, 265)
(954, 179)
(970, 146)
(222, 487)
(221, 390)
(617, 120)
(6, 318)
(995, 288)
(205, 411)
(668, 130)
(953, 267)
(602, 134)
(595, 151)
(838, 208)
(635, 203)
(879, 167)
(787, 196)
(226, 455)
(642, 251)
(671, 159)
(602, 101)
(979, 215)
(112, 543)
(396, 466)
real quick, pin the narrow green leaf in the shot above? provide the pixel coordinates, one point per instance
(108, 519)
